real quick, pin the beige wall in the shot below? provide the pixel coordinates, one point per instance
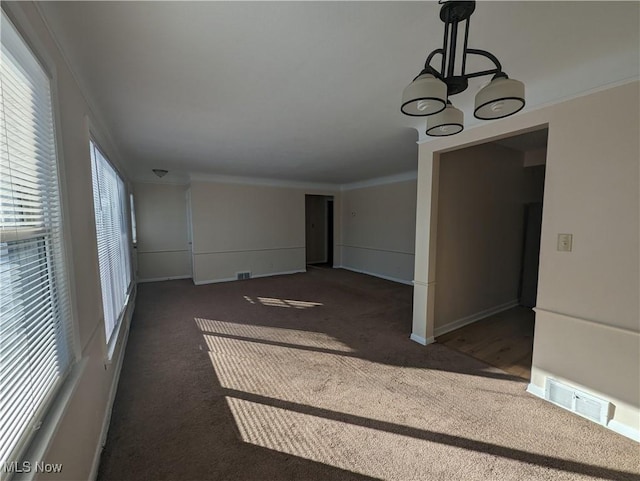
(71, 434)
(255, 228)
(378, 225)
(587, 315)
(479, 235)
(163, 242)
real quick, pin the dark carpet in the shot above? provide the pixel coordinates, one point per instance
(313, 377)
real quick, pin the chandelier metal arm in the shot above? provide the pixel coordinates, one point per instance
(428, 95)
(485, 54)
(428, 68)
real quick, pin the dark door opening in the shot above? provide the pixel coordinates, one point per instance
(530, 254)
(330, 232)
(319, 218)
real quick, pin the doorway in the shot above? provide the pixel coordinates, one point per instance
(319, 218)
(488, 244)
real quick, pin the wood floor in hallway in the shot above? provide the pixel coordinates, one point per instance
(504, 340)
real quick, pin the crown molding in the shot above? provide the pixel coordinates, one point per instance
(140, 180)
(267, 182)
(94, 114)
(424, 139)
(389, 179)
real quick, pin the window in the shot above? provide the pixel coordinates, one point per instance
(134, 229)
(110, 204)
(35, 320)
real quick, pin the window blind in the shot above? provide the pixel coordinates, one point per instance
(35, 325)
(110, 205)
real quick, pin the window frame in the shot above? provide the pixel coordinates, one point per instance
(112, 343)
(43, 424)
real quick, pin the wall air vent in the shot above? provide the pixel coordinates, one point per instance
(243, 275)
(577, 401)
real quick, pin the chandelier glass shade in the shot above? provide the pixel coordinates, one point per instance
(449, 121)
(501, 98)
(428, 94)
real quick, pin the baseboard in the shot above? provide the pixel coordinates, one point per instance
(535, 390)
(624, 430)
(381, 276)
(457, 324)
(421, 340)
(613, 425)
(158, 279)
(285, 273)
(257, 276)
(214, 281)
(112, 396)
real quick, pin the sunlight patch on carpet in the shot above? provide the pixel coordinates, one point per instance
(354, 448)
(289, 303)
(272, 334)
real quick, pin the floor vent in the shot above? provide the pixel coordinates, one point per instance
(577, 401)
(243, 275)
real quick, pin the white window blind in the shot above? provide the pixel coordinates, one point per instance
(35, 325)
(110, 204)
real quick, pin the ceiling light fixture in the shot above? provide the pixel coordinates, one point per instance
(160, 172)
(428, 94)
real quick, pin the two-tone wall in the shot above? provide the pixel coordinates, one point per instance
(588, 314)
(248, 228)
(378, 229)
(163, 247)
(263, 229)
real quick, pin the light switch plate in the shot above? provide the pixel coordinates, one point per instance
(565, 242)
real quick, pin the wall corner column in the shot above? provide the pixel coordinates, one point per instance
(426, 224)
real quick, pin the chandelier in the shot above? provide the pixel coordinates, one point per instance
(428, 94)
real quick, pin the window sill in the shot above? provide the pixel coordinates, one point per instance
(122, 326)
(39, 445)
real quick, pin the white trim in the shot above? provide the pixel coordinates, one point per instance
(112, 391)
(381, 276)
(424, 139)
(623, 330)
(624, 430)
(389, 179)
(41, 443)
(535, 390)
(214, 281)
(266, 249)
(166, 251)
(144, 180)
(421, 340)
(257, 276)
(115, 341)
(233, 179)
(376, 249)
(159, 279)
(295, 184)
(613, 425)
(284, 273)
(457, 324)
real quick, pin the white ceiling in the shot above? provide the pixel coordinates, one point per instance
(310, 91)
